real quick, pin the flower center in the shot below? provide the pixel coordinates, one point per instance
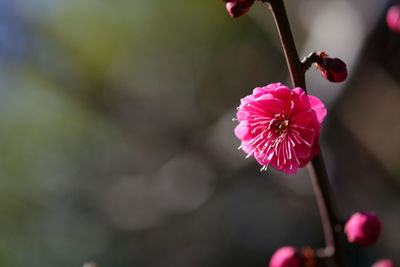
(281, 126)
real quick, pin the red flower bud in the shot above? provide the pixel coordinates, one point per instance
(363, 228)
(333, 69)
(393, 18)
(238, 8)
(287, 257)
(383, 263)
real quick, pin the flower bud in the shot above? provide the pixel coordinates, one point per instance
(393, 18)
(333, 69)
(238, 8)
(310, 257)
(287, 257)
(363, 228)
(383, 263)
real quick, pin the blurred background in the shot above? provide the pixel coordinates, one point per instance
(117, 142)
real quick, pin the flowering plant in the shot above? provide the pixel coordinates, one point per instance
(280, 127)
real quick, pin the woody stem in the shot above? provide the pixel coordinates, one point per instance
(322, 189)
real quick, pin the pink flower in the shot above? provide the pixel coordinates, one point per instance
(286, 257)
(237, 8)
(363, 228)
(383, 263)
(393, 18)
(280, 127)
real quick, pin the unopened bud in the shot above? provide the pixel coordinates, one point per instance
(333, 69)
(383, 263)
(393, 18)
(287, 257)
(310, 257)
(238, 8)
(363, 228)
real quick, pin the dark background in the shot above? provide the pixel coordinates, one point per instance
(117, 144)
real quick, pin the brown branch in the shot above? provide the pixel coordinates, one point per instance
(322, 189)
(296, 68)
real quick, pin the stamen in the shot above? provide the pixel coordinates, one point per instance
(264, 168)
(302, 127)
(295, 157)
(258, 123)
(260, 117)
(256, 108)
(300, 139)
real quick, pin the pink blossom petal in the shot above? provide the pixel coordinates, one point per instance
(265, 96)
(246, 147)
(315, 149)
(299, 91)
(283, 93)
(242, 131)
(318, 107)
(269, 106)
(274, 86)
(242, 114)
(247, 99)
(260, 90)
(304, 143)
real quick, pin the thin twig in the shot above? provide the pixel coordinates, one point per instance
(292, 59)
